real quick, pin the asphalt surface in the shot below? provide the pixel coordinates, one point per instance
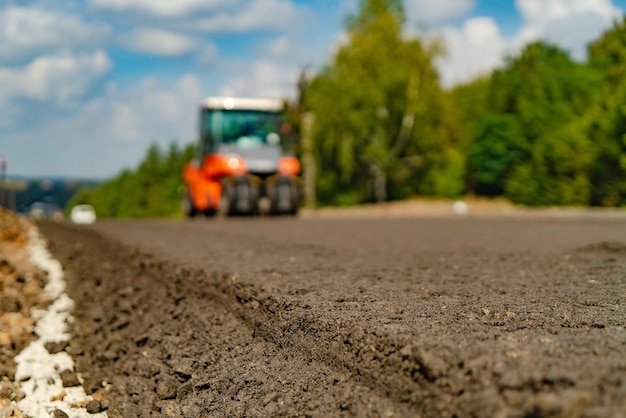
(466, 316)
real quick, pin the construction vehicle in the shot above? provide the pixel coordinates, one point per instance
(244, 165)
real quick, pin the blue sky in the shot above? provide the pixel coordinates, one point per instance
(87, 85)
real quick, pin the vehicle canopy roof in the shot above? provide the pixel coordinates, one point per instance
(244, 103)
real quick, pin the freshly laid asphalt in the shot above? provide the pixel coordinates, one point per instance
(450, 316)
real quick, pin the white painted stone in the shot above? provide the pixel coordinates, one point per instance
(38, 372)
(460, 207)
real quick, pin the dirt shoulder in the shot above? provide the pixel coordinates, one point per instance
(21, 291)
(469, 206)
(317, 317)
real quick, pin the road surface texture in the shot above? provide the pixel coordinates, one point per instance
(463, 316)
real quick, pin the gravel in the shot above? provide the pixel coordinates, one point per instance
(37, 377)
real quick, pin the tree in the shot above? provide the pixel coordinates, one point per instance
(608, 55)
(378, 109)
(557, 172)
(497, 147)
(607, 129)
(469, 103)
(531, 143)
(542, 88)
(153, 189)
(608, 133)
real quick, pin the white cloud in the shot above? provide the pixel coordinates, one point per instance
(25, 32)
(230, 16)
(278, 47)
(161, 8)
(255, 15)
(263, 78)
(107, 133)
(159, 42)
(53, 78)
(473, 50)
(151, 109)
(207, 54)
(546, 11)
(273, 72)
(432, 12)
(571, 24)
(478, 46)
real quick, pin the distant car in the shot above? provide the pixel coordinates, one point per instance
(45, 210)
(83, 214)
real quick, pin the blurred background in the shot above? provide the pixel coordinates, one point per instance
(522, 100)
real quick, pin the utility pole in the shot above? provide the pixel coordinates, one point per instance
(13, 200)
(3, 181)
(308, 158)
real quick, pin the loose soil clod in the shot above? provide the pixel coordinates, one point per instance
(21, 291)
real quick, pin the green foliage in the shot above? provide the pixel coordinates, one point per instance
(371, 10)
(542, 88)
(542, 130)
(531, 143)
(82, 196)
(445, 177)
(608, 55)
(497, 147)
(558, 171)
(377, 105)
(608, 172)
(607, 127)
(522, 185)
(470, 102)
(153, 190)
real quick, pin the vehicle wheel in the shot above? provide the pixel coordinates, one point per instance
(227, 199)
(285, 197)
(296, 198)
(189, 209)
(293, 211)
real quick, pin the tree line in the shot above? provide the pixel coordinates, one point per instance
(541, 130)
(154, 189)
